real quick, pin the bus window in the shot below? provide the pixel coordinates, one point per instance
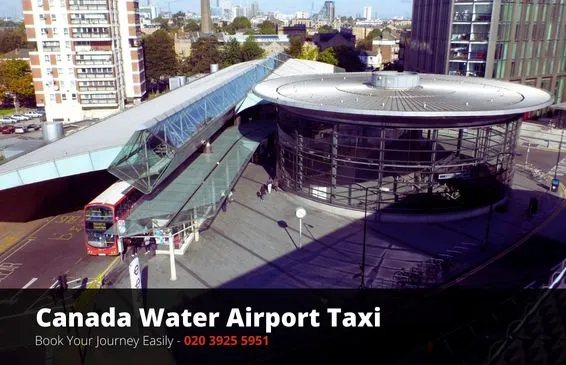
(97, 221)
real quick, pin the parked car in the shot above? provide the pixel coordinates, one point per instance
(8, 129)
(7, 120)
(20, 129)
(33, 114)
(20, 117)
(33, 127)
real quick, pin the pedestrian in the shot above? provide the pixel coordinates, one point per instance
(122, 248)
(134, 246)
(269, 185)
(147, 244)
(262, 191)
(224, 205)
(276, 184)
(231, 196)
(259, 195)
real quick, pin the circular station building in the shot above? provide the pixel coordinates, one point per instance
(411, 143)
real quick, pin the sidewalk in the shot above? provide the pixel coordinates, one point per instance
(255, 243)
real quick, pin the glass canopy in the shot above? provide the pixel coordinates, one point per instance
(154, 153)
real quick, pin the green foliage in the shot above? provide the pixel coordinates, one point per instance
(309, 52)
(159, 54)
(365, 45)
(348, 59)
(178, 19)
(16, 78)
(267, 27)
(11, 40)
(374, 34)
(251, 50)
(191, 26)
(328, 56)
(232, 53)
(295, 46)
(326, 29)
(241, 22)
(163, 22)
(204, 52)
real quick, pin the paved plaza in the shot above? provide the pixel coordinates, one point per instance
(255, 244)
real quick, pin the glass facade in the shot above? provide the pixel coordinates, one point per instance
(152, 154)
(404, 170)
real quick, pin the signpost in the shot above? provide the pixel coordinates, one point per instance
(300, 213)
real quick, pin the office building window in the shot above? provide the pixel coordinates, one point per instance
(74, 96)
(47, 58)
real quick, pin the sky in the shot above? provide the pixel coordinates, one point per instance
(383, 8)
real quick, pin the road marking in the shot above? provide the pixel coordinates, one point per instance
(512, 247)
(29, 283)
(28, 237)
(15, 251)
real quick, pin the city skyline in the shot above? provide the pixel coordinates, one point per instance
(10, 8)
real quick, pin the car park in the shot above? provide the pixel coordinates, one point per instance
(7, 120)
(20, 129)
(20, 117)
(8, 129)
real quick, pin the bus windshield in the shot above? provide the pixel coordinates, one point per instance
(98, 219)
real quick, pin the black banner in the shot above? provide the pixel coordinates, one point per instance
(282, 326)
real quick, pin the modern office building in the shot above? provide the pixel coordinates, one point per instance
(328, 11)
(367, 13)
(515, 40)
(89, 57)
(412, 142)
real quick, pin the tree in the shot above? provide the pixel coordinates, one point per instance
(12, 39)
(178, 19)
(267, 27)
(159, 54)
(251, 50)
(161, 21)
(348, 59)
(232, 53)
(16, 79)
(326, 29)
(192, 26)
(204, 52)
(241, 22)
(295, 46)
(309, 52)
(365, 45)
(375, 33)
(328, 56)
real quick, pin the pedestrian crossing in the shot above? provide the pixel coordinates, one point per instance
(561, 168)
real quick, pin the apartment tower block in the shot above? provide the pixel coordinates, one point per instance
(89, 57)
(516, 40)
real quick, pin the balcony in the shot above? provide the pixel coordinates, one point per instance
(479, 37)
(465, 17)
(477, 56)
(91, 35)
(89, 21)
(460, 37)
(90, 88)
(92, 62)
(459, 56)
(95, 76)
(99, 102)
(51, 49)
(101, 8)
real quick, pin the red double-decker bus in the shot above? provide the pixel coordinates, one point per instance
(102, 213)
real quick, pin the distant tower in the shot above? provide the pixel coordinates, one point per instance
(205, 19)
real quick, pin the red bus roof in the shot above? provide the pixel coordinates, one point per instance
(113, 194)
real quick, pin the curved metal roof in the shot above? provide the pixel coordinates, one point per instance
(435, 96)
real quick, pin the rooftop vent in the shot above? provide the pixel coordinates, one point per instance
(395, 80)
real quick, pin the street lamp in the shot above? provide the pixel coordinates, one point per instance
(300, 213)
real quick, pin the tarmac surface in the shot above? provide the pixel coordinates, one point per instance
(255, 244)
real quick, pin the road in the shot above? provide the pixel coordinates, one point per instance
(53, 249)
(543, 160)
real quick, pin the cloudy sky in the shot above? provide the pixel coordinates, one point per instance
(383, 8)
